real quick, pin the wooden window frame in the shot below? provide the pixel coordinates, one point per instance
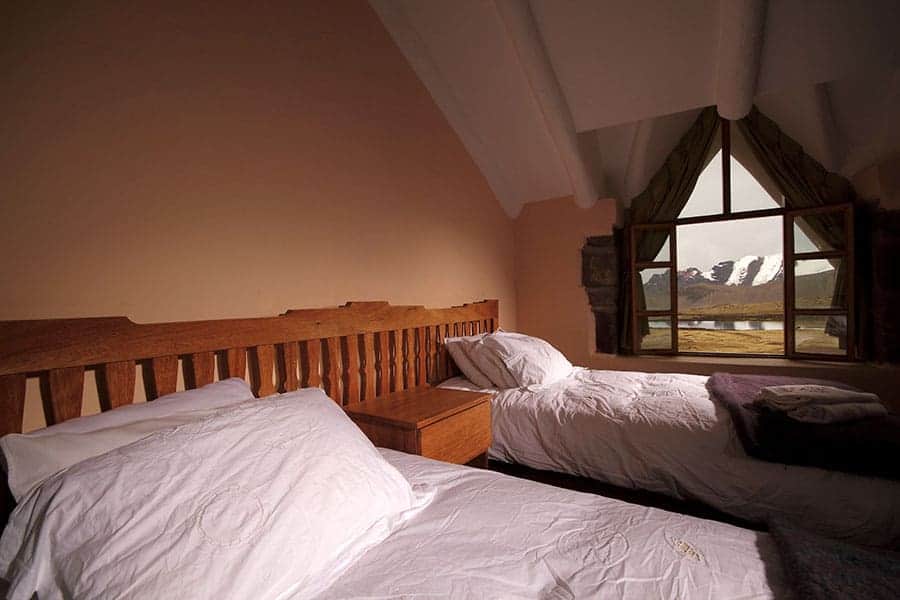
(788, 256)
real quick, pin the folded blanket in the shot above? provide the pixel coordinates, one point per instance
(865, 446)
(822, 569)
(788, 397)
(837, 413)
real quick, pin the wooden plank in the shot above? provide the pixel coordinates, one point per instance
(421, 355)
(430, 354)
(443, 355)
(331, 368)
(115, 384)
(286, 366)
(262, 365)
(384, 363)
(350, 369)
(397, 357)
(62, 391)
(458, 439)
(29, 346)
(160, 376)
(311, 355)
(417, 408)
(199, 369)
(367, 372)
(233, 363)
(39, 346)
(12, 403)
(409, 357)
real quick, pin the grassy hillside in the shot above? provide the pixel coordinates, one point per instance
(709, 300)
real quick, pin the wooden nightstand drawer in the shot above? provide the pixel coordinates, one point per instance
(449, 425)
(459, 438)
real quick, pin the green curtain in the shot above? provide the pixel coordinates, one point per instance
(661, 202)
(805, 184)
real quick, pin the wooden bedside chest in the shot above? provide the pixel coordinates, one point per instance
(449, 425)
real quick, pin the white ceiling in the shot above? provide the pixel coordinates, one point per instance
(587, 98)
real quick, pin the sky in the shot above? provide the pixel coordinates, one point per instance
(705, 244)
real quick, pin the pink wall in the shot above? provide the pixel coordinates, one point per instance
(190, 160)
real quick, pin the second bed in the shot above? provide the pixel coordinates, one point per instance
(664, 433)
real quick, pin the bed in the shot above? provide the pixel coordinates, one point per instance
(209, 492)
(664, 433)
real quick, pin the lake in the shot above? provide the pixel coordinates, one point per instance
(726, 325)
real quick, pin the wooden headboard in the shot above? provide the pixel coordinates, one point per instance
(355, 352)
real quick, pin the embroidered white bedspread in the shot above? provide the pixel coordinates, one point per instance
(267, 499)
(490, 536)
(662, 432)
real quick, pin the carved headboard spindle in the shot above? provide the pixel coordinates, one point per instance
(356, 352)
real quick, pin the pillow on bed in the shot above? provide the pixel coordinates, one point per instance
(530, 360)
(30, 458)
(458, 347)
(213, 395)
(267, 499)
(487, 360)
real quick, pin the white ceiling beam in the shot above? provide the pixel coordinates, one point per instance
(523, 34)
(741, 30)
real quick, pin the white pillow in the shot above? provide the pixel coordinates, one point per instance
(267, 499)
(30, 458)
(458, 349)
(530, 360)
(485, 359)
(213, 395)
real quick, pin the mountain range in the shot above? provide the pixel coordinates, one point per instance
(755, 284)
(745, 271)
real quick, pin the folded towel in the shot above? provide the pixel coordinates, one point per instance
(837, 413)
(789, 397)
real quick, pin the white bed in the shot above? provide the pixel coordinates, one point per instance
(663, 433)
(285, 498)
(488, 535)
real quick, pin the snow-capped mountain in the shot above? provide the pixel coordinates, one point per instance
(745, 271)
(749, 270)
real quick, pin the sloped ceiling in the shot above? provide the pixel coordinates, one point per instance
(587, 98)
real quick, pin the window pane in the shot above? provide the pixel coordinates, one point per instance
(731, 287)
(657, 294)
(656, 333)
(820, 335)
(706, 199)
(815, 283)
(751, 186)
(820, 232)
(652, 245)
(731, 336)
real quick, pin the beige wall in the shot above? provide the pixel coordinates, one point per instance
(553, 305)
(551, 302)
(187, 160)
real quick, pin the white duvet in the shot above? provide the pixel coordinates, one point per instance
(267, 499)
(238, 505)
(491, 536)
(663, 433)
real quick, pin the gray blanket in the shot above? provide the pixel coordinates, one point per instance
(866, 446)
(823, 569)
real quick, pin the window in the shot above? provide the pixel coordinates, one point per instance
(738, 273)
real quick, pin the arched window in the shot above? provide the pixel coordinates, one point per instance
(738, 273)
